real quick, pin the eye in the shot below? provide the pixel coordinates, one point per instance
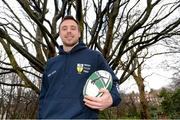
(64, 28)
(73, 27)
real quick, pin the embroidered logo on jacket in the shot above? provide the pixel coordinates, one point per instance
(83, 68)
(79, 68)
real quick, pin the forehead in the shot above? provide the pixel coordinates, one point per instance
(68, 22)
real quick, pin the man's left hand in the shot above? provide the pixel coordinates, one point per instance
(99, 103)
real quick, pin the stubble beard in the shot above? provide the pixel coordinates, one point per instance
(70, 44)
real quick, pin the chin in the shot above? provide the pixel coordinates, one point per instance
(70, 44)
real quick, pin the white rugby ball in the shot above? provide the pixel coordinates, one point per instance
(97, 80)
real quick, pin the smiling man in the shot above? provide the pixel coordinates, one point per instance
(65, 75)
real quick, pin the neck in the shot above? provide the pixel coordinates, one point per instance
(69, 48)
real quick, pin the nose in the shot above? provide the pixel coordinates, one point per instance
(69, 30)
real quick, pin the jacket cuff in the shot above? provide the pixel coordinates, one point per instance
(115, 96)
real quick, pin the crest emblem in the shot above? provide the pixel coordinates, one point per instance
(79, 68)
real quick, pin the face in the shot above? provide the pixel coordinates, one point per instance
(69, 33)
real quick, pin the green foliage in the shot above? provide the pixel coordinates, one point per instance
(171, 103)
(129, 109)
(106, 114)
(118, 113)
(126, 110)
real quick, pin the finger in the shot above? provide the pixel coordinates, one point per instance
(93, 102)
(92, 106)
(91, 98)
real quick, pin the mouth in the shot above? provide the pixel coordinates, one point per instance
(69, 37)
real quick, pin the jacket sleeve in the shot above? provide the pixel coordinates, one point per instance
(44, 88)
(103, 65)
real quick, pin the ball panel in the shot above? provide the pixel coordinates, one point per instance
(91, 89)
(97, 80)
(107, 78)
(109, 83)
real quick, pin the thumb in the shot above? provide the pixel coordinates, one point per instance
(103, 90)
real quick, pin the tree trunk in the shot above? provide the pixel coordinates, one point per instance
(143, 101)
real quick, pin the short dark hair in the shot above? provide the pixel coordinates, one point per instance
(69, 17)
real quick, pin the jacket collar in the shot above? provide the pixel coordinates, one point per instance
(76, 48)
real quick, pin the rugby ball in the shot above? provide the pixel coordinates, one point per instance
(97, 80)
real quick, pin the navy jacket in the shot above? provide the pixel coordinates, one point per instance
(62, 85)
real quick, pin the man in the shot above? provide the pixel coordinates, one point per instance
(62, 84)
